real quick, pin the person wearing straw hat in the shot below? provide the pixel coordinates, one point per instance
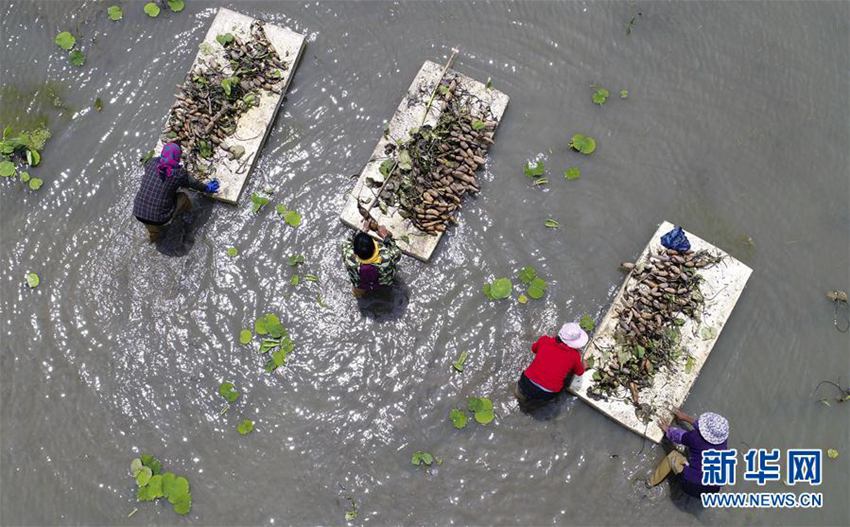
(710, 431)
(555, 359)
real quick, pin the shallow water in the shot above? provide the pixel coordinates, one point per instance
(736, 125)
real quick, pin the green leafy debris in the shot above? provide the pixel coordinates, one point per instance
(572, 173)
(551, 223)
(245, 336)
(586, 323)
(151, 491)
(232, 251)
(258, 202)
(290, 217)
(295, 280)
(498, 289)
(32, 280)
(522, 299)
(245, 427)
(176, 5)
(478, 124)
(832, 453)
(151, 9)
(114, 13)
(224, 39)
(600, 96)
(98, 104)
(7, 169)
(689, 364)
(582, 143)
(25, 177)
(143, 476)
(295, 260)
(624, 94)
(459, 362)
(707, 332)
(420, 457)
(147, 156)
(458, 418)
(135, 466)
(77, 58)
(534, 169)
(482, 408)
(152, 463)
(228, 391)
(65, 40)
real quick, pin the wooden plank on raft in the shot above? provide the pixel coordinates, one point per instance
(410, 115)
(254, 125)
(721, 287)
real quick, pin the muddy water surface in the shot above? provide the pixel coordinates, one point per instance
(736, 126)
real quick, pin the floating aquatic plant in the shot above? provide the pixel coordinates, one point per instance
(290, 217)
(232, 251)
(245, 427)
(176, 5)
(534, 169)
(458, 418)
(258, 202)
(276, 344)
(551, 223)
(77, 58)
(32, 280)
(421, 457)
(153, 484)
(624, 94)
(535, 285)
(482, 408)
(600, 96)
(572, 173)
(228, 391)
(65, 40)
(295, 260)
(498, 289)
(98, 104)
(831, 453)
(586, 322)
(7, 169)
(245, 336)
(151, 9)
(114, 13)
(459, 362)
(582, 143)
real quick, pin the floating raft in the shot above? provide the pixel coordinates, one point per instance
(409, 116)
(721, 287)
(254, 125)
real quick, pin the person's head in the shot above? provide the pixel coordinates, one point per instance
(169, 159)
(572, 335)
(364, 246)
(713, 427)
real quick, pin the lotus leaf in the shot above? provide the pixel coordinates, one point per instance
(232, 251)
(245, 427)
(572, 173)
(114, 13)
(534, 169)
(77, 58)
(35, 183)
(458, 418)
(33, 280)
(527, 274)
(176, 5)
(245, 336)
(143, 476)
(421, 457)
(7, 169)
(183, 505)
(586, 323)
(151, 9)
(501, 288)
(582, 143)
(65, 40)
(537, 288)
(228, 391)
(152, 463)
(135, 466)
(258, 202)
(600, 96)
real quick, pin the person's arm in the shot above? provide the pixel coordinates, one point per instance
(682, 416)
(350, 262)
(390, 251)
(188, 181)
(536, 346)
(580, 366)
(673, 433)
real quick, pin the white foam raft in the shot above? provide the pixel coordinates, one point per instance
(721, 287)
(408, 116)
(253, 125)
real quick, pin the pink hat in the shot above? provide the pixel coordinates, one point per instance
(573, 336)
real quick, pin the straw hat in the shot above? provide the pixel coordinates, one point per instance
(573, 336)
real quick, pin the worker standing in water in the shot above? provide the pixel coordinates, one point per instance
(370, 264)
(159, 198)
(556, 358)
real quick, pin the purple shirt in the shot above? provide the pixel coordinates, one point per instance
(692, 475)
(368, 277)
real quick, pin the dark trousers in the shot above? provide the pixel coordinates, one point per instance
(530, 396)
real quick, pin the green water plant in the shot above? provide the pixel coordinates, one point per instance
(586, 322)
(583, 143)
(534, 169)
(551, 223)
(77, 58)
(600, 96)
(498, 289)
(228, 391)
(176, 5)
(423, 458)
(245, 336)
(24, 145)
(151, 9)
(258, 201)
(7, 169)
(535, 286)
(276, 343)
(290, 217)
(458, 418)
(478, 124)
(224, 39)
(295, 260)
(624, 94)
(482, 409)
(114, 13)
(32, 280)
(153, 484)
(572, 173)
(245, 427)
(232, 251)
(832, 453)
(98, 104)
(65, 40)
(457, 365)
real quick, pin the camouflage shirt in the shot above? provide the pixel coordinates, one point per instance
(390, 256)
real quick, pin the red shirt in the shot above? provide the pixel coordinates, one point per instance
(553, 363)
